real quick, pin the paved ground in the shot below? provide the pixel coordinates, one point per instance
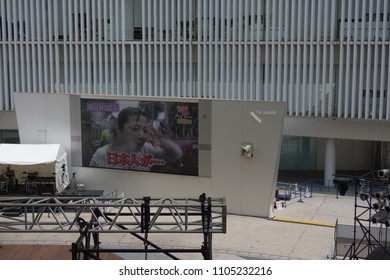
(301, 230)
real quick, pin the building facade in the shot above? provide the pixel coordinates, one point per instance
(327, 59)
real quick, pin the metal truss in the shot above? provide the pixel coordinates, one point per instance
(194, 216)
(71, 214)
(367, 187)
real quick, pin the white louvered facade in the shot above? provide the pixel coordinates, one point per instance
(325, 58)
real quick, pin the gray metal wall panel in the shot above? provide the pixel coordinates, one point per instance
(8, 120)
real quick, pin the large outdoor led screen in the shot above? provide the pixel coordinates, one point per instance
(140, 135)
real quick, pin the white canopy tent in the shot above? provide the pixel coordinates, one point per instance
(49, 160)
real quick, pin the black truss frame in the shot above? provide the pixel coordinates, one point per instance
(87, 245)
(368, 241)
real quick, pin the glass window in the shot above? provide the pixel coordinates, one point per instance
(298, 153)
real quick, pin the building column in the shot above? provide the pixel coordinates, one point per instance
(330, 161)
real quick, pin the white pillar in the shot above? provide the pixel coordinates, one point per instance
(330, 161)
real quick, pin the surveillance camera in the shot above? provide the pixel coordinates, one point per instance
(247, 150)
(384, 173)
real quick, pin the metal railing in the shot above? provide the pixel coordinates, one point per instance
(288, 191)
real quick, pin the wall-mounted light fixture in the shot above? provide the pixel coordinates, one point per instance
(342, 184)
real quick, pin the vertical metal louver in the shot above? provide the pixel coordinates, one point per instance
(324, 58)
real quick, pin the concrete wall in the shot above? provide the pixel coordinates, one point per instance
(370, 130)
(245, 181)
(44, 119)
(248, 184)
